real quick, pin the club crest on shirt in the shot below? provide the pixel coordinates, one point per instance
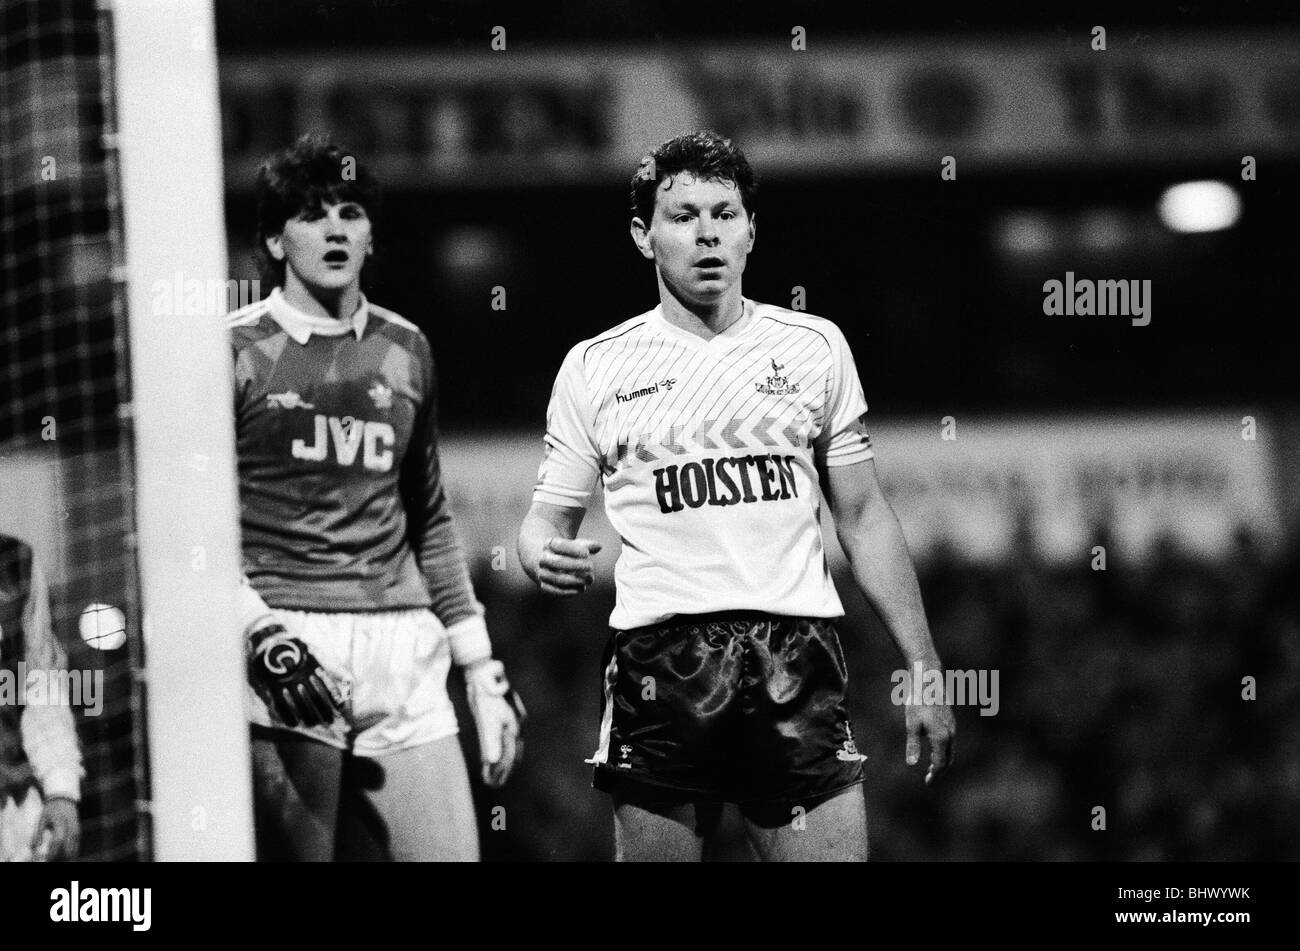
(381, 395)
(777, 385)
(287, 400)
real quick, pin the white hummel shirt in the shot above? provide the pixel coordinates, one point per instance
(709, 452)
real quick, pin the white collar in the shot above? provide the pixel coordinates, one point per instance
(737, 327)
(300, 326)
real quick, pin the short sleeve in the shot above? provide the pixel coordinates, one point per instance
(843, 439)
(571, 466)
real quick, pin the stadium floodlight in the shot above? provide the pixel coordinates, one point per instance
(1198, 207)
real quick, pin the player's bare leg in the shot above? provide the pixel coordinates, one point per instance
(413, 805)
(661, 834)
(834, 831)
(296, 784)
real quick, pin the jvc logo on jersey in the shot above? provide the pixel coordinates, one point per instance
(644, 391)
(711, 481)
(347, 435)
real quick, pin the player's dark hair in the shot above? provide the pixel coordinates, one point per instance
(707, 156)
(311, 173)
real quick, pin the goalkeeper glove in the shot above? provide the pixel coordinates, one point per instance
(290, 680)
(499, 716)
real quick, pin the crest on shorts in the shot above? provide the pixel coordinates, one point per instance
(848, 751)
(777, 385)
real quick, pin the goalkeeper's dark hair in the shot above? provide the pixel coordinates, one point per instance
(308, 175)
(706, 156)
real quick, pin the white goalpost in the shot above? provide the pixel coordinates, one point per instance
(169, 159)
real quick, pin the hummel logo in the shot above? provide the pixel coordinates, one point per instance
(287, 400)
(382, 395)
(645, 391)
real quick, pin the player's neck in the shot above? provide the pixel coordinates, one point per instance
(336, 305)
(703, 320)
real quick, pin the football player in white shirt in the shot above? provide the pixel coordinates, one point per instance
(711, 421)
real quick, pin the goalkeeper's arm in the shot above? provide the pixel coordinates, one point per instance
(497, 710)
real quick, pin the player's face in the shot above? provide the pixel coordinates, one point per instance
(699, 237)
(325, 248)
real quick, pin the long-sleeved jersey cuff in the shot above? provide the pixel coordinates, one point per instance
(64, 783)
(469, 640)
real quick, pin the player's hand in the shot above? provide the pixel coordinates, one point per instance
(499, 716)
(290, 680)
(937, 722)
(566, 567)
(58, 834)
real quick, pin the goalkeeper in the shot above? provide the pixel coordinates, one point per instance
(356, 601)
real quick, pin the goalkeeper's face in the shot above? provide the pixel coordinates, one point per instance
(324, 248)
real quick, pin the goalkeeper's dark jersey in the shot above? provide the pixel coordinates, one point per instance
(343, 507)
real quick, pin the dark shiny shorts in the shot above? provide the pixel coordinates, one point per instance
(730, 707)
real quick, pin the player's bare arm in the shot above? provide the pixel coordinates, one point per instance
(882, 567)
(552, 555)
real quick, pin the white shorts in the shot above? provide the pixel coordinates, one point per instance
(18, 822)
(393, 667)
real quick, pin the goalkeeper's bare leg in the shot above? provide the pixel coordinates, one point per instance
(296, 783)
(413, 805)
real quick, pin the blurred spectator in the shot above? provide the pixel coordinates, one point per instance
(40, 761)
